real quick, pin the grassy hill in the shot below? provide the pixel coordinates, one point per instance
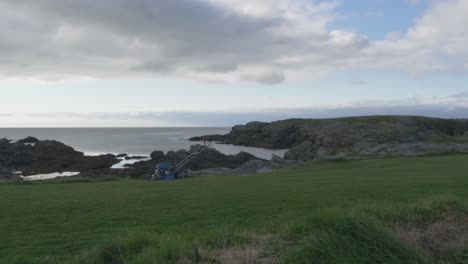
(402, 210)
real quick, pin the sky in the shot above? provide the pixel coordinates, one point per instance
(153, 63)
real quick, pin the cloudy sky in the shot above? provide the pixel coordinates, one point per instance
(222, 62)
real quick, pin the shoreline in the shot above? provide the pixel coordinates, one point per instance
(125, 160)
(132, 141)
(227, 149)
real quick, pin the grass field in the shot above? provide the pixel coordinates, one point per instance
(370, 211)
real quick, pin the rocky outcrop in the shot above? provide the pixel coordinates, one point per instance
(135, 157)
(42, 157)
(32, 156)
(260, 134)
(7, 174)
(279, 161)
(213, 158)
(249, 168)
(208, 159)
(158, 156)
(304, 151)
(210, 138)
(310, 139)
(28, 140)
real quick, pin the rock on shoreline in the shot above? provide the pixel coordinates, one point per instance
(33, 156)
(208, 159)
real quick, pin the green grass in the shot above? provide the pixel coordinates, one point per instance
(450, 127)
(441, 139)
(327, 212)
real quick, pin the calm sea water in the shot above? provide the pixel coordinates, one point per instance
(133, 141)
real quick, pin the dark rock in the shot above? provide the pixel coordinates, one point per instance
(209, 138)
(255, 166)
(158, 156)
(32, 140)
(176, 156)
(135, 157)
(4, 141)
(278, 160)
(210, 158)
(304, 151)
(52, 147)
(6, 174)
(122, 155)
(4, 169)
(49, 156)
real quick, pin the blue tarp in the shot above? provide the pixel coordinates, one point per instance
(169, 176)
(164, 166)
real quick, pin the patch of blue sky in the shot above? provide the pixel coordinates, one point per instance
(377, 18)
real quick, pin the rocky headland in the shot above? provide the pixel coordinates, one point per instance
(353, 137)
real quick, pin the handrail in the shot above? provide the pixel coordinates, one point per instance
(179, 166)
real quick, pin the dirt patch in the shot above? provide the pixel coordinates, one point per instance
(251, 254)
(254, 252)
(442, 240)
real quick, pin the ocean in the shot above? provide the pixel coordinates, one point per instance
(132, 141)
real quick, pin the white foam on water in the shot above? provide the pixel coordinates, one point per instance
(257, 152)
(86, 153)
(49, 176)
(123, 162)
(91, 153)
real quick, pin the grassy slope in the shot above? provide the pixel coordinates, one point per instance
(64, 220)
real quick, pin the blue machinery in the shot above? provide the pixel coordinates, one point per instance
(167, 171)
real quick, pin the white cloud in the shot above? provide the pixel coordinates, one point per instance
(265, 77)
(217, 40)
(213, 39)
(347, 39)
(436, 43)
